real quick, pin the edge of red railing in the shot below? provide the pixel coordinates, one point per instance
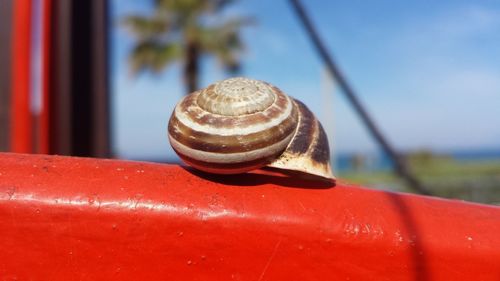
(65, 218)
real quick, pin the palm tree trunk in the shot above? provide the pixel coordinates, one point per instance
(191, 67)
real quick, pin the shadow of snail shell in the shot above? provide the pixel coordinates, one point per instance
(237, 125)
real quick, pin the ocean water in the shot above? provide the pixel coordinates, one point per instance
(371, 162)
(380, 161)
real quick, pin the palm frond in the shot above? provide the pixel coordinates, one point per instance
(219, 5)
(153, 56)
(163, 36)
(146, 27)
(183, 8)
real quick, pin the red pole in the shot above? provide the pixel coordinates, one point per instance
(21, 123)
(66, 218)
(46, 71)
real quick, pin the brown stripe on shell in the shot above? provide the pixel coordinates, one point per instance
(308, 152)
(305, 131)
(320, 151)
(198, 115)
(252, 164)
(233, 143)
(275, 89)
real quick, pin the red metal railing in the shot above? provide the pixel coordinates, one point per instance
(21, 117)
(64, 218)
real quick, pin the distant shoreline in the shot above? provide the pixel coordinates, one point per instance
(378, 161)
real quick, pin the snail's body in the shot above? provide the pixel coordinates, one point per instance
(240, 124)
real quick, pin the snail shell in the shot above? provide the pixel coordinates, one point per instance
(239, 124)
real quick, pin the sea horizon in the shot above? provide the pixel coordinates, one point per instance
(342, 161)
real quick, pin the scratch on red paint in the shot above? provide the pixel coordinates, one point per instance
(270, 259)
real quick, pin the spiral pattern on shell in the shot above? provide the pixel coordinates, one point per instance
(240, 124)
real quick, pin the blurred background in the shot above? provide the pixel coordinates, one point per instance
(409, 93)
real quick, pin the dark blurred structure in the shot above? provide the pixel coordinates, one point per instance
(400, 166)
(74, 114)
(5, 58)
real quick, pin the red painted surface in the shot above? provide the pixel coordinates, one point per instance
(46, 76)
(20, 109)
(65, 218)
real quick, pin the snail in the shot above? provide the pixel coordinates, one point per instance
(239, 124)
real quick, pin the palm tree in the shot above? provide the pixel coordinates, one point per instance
(185, 30)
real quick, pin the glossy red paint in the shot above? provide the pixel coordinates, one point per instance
(21, 116)
(65, 218)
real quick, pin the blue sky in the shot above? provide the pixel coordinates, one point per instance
(427, 71)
